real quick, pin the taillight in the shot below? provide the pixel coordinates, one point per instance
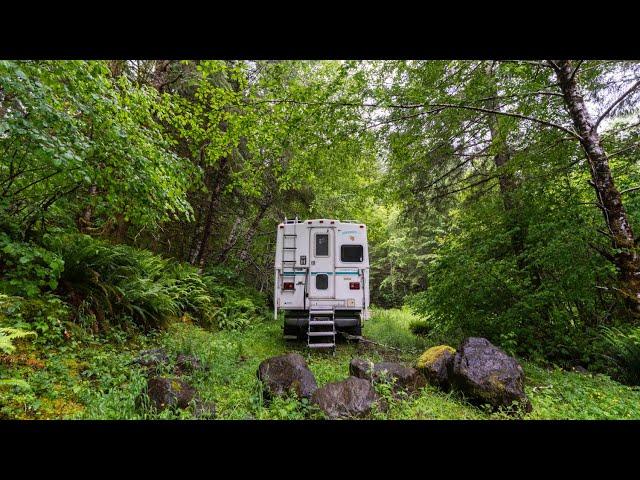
(288, 286)
(354, 285)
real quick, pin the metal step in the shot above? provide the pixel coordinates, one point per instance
(321, 322)
(322, 334)
(321, 345)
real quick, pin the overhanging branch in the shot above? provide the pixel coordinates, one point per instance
(614, 104)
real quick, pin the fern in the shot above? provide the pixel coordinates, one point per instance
(8, 335)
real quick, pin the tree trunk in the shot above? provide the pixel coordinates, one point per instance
(251, 232)
(232, 239)
(506, 179)
(626, 257)
(214, 203)
(84, 221)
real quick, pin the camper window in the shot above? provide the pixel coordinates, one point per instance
(322, 281)
(322, 245)
(351, 253)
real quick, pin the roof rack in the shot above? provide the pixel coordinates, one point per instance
(295, 220)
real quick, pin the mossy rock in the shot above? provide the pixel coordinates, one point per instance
(433, 354)
(436, 363)
(486, 374)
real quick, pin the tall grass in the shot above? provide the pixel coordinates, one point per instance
(392, 327)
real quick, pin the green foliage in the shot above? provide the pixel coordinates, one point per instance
(26, 268)
(47, 315)
(544, 300)
(623, 349)
(392, 328)
(107, 282)
(8, 335)
(235, 305)
(68, 129)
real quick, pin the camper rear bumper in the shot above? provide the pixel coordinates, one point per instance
(342, 318)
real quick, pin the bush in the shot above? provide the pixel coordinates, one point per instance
(47, 316)
(237, 306)
(27, 269)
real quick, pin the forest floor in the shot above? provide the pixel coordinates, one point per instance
(95, 380)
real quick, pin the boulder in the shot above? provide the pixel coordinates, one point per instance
(406, 378)
(187, 364)
(436, 364)
(286, 373)
(165, 392)
(361, 368)
(488, 375)
(353, 397)
(152, 358)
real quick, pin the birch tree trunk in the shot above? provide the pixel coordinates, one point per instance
(232, 239)
(251, 232)
(626, 257)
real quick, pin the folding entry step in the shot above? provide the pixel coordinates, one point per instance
(321, 332)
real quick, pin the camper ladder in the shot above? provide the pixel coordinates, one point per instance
(321, 332)
(289, 245)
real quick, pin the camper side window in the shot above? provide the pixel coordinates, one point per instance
(351, 253)
(322, 245)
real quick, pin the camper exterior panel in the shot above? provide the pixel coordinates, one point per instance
(328, 263)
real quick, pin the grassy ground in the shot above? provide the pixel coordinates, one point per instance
(94, 380)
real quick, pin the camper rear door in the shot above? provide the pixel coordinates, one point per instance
(321, 266)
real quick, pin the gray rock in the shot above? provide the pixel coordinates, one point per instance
(361, 368)
(405, 378)
(187, 364)
(286, 373)
(488, 375)
(164, 392)
(436, 364)
(350, 398)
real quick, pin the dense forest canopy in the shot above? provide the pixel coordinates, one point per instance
(502, 197)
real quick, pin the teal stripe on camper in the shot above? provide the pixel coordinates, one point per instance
(292, 274)
(331, 273)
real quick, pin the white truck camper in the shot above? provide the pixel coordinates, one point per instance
(321, 279)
